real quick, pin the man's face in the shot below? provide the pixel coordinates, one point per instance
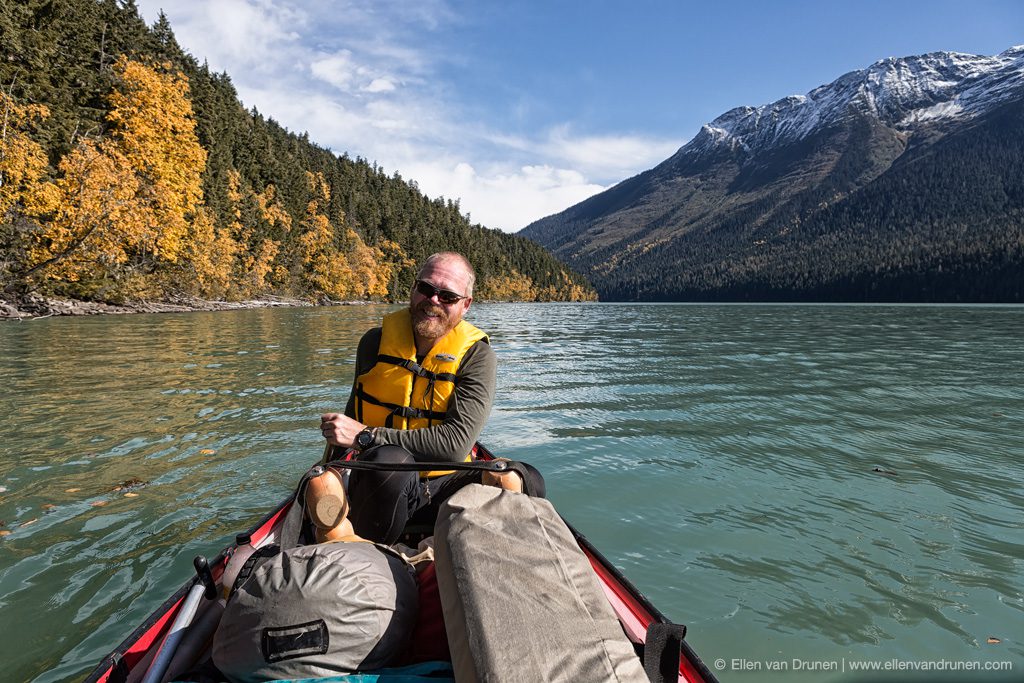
(431, 318)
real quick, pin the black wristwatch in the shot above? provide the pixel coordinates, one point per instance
(366, 439)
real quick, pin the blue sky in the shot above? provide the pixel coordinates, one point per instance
(520, 109)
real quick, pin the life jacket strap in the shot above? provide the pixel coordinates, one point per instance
(417, 369)
(401, 411)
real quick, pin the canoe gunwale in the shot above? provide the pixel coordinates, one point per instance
(152, 631)
(157, 624)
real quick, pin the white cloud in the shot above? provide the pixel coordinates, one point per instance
(235, 34)
(337, 69)
(616, 156)
(334, 69)
(379, 85)
(506, 198)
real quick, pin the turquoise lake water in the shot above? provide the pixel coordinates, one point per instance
(805, 485)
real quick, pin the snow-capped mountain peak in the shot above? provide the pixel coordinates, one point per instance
(899, 92)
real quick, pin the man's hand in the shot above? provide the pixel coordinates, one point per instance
(340, 430)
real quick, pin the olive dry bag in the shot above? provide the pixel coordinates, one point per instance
(315, 611)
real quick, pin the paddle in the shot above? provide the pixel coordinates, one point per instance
(203, 587)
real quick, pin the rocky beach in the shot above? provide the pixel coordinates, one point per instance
(33, 306)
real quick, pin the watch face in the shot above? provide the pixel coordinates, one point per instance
(364, 438)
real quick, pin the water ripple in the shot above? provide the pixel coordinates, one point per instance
(806, 481)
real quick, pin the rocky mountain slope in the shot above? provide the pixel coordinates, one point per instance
(900, 182)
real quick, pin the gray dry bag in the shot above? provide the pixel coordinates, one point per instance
(315, 611)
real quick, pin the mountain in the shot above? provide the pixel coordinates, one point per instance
(900, 182)
(130, 171)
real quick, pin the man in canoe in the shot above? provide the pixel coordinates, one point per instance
(423, 389)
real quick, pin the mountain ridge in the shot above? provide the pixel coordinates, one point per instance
(899, 91)
(745, 188)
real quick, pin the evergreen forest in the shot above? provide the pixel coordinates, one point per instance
(129, 171)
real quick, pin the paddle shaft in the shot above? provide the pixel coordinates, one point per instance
(203, 587)
(185, 615)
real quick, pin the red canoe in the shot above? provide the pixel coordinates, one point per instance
(129, 662)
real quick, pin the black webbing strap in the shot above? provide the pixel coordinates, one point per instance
(291, 525)
(662, 649)
(499, 466)
(418, 466)
(119, 671)
(401, 411)
(416, 369)
(252, 563)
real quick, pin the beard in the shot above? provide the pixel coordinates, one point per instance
(430, 321)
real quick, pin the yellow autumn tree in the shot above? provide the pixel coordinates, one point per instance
(323, 272)
(565, 290)
(373, 268)
(210, 254)
(96, 219)
(257, 269)
(154, 128)
(231, 260)
(24, 193)
(512, 287)
(126, 203)
(392, 261)
(22, 160)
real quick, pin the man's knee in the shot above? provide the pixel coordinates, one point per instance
(373, 483)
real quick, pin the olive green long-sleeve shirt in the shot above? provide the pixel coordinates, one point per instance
(468, 407)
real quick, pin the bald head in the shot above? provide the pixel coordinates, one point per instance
(432, 318)
(450, 258)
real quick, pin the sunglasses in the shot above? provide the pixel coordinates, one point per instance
(443, 295)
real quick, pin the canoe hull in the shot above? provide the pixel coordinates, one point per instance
(129, 661)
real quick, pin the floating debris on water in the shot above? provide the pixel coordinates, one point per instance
(29, 522)
(129, 484)
(998, 415)
(882, 470)
(48, 506)
(74, 490)
(131, 495)
(4, 532)
(207, 451)
(992, 640)
(97, 503)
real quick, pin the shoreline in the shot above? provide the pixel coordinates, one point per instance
(34, 307)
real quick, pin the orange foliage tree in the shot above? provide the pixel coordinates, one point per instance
(127, 202)
(322, 271)
(209, 258)
(231, 261)
(512, 287)
(258, 268)
(154, 128)
(22, 160)
(335, 263)
(24, 195)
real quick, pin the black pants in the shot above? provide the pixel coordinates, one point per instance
(382, 503)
